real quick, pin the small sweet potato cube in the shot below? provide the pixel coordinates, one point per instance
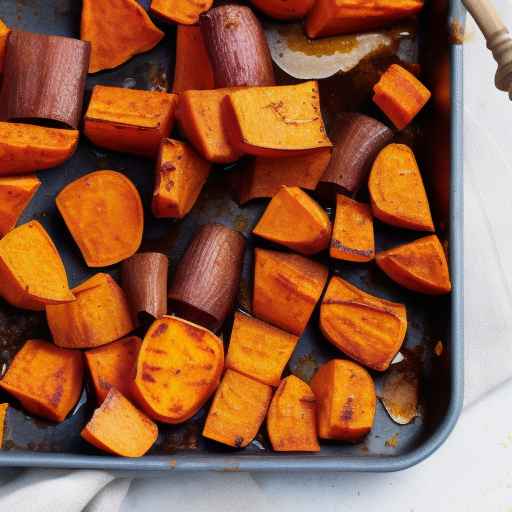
(295, 220)
(420, 266)
(284, 9)
(352, 234)
(118, 427)
(99, 315)
(369, 329)
(400, 95)
(3, 415)
(238, 410)
(346, 400)
(291, 419)
(4, 34)
(184, 12)
(287, 288)
(47, 380)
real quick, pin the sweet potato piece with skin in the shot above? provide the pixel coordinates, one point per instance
(178, 368)
(47, 380)
(3, 415)
(118, 427)
(129, 120)
(184, 12)
(295, 220)
(284, 9)
(4, 34)
(396, 189)
(238, 410)
(291, 418)
(286, 289)
(420, 266)
(369, 329)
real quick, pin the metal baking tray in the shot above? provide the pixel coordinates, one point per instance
(437, 139)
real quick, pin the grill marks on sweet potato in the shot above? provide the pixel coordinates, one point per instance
(183, 12)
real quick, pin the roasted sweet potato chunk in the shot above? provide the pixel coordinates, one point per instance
(238, 410)
(346, 400)
(420, 266)
(284, 9)
(397, 192)
(119, 428)
(286, 289)
(129, 120)
(3, 415)
(103, 212)
(47, 380)
(184, 12)
(178, 368)
(4, 34)
(367, 328)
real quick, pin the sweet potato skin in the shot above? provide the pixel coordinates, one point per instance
(183, 12)
(4, 34)
(284, 9)
(3, 416)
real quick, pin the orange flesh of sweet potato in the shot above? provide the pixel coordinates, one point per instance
(284, 9)
(420, 266)
(397, 192)
(3, 414)
(178, 368)
(119, 428)
(291, 418)
(369, 329)
(352, 234)
(111, 365)
(31, 271)
(25, 148)
(259, 350)
(184, 12)
(180, 176)
(47, 380)
(15, 195)
(129, 120)
(275, 121)
(238, 410)
(4, 34)
(346, 400)
(100, 314)
(400, 95)
(286, 289)
(103, 212)
(117, 30)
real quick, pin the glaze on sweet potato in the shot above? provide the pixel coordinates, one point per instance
(183, 12)
(284, 9)
(3, 415)
(4, 34)
(47, 380)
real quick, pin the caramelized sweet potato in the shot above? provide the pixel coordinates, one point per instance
(397, 192)
(178, 368)
(119, 428)
(369, 329)
(286, 289)
(31, 271)
(15, 195)
(25, 148)
(103, 212)
(100, 314)
(180, 176)
(3, 415)
(129, 120)
(4, 34)
(420, 266)
(183, 12)
(400, 95)
(117, 30)
(47, 380)
(352, 234)
(238, 410)
(284, 9)
(259, 350)
(291, 419)
(295, 220)
(110, 366)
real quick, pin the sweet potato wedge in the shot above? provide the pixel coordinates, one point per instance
(238, 410)
(31, 271)
(3, 415)
(286, 289)
(183, 12)
(284, 9)
(100, 314)
(178, 368)
(118, 427)
(295, 220)
(117, 30)
(369, 329)
(47, 380)
(291, 418)
(180, 176)
(129, 120)
(4, 34)
(397, 192)
(352, 234)
(103, 212)
(111, 365)
(25, 148)
(420, 266)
